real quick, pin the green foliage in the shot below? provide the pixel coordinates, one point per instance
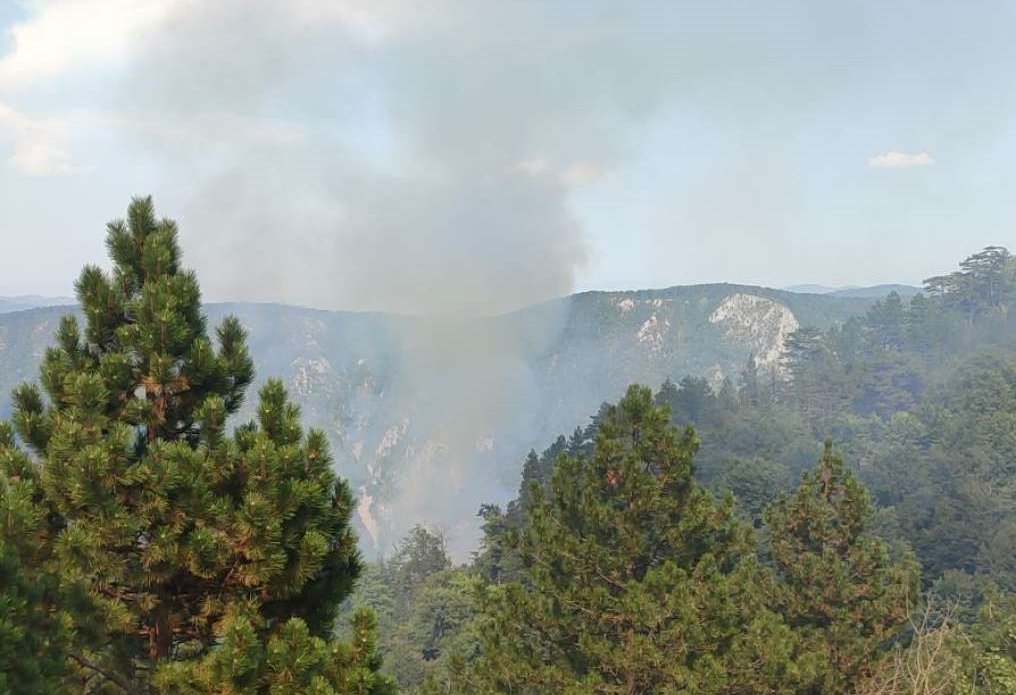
(373, 590)
(636, 579)
(945, 656)
(838, 588)
(928, 426)
(420, 554)
(983, 284)
(628, 577)
(439, 629)
(423, 607)
(146, 549)
(993, 646)
(204, 558)
(754, 483)
(291, 660)
(33, 638)
(922, 399)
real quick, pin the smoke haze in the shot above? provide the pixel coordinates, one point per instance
(450, 199)
(464, 158)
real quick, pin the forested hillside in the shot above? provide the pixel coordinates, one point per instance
(839, 519)
(507, 347)
(916, 398)
(506, 383)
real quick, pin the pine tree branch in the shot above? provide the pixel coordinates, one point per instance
(108, 675)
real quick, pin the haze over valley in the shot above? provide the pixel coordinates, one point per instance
(542, 347)
(506, 384)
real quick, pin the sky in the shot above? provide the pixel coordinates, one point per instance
(477, 156)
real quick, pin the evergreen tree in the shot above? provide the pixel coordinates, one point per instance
(838, 588)
(495, 561)
(437, 629)
(946, 657)
(690, 402)
(969, 522)
(886, 322)
(982, 285)
(420, 554)
(33, 638)
(209, 560)
(374, 591)
(754, 483)
(816, 385)
(637, 581)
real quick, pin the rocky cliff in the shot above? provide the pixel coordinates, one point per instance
(430, 417)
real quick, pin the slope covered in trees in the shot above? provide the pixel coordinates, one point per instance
(683, 541)
(513, 382)
(616, 572)
(920, 399)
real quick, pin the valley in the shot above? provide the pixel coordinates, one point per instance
(428, 416)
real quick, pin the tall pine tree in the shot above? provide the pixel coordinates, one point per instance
(211, 562)
(637, 580)
(838, 588)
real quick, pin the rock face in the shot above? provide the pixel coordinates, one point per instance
(309, 376)
(428, 419)
(653, 334)
(760, 323)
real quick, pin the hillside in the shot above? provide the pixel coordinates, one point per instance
(428, 416)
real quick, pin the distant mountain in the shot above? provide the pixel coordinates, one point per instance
(31, 301)
(877, 291)
(429, 416)
(871, 292)
(815, 289)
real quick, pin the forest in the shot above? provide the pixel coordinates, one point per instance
(842, 524)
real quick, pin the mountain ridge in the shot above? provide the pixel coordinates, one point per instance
(858, 291)
(428, 415)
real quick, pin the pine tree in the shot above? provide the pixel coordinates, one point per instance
(839, 590)
(209, 560)
(421, 553)
(982, 285)
(437, 628)
(33, 639)
(816, 384)
(886, 321)
(637, 581)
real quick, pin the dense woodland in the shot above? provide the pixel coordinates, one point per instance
(844, 524)
(884, 564)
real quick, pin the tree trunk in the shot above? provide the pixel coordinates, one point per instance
(160, 634)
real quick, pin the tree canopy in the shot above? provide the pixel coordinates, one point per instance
(199, 560)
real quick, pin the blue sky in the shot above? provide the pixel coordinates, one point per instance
(471, 156)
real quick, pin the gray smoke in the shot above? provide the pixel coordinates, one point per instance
(391, 158)
(396, 157)
(422, 158)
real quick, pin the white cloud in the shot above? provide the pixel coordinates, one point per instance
(901, 160)
(64, 35)
(39, 145)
